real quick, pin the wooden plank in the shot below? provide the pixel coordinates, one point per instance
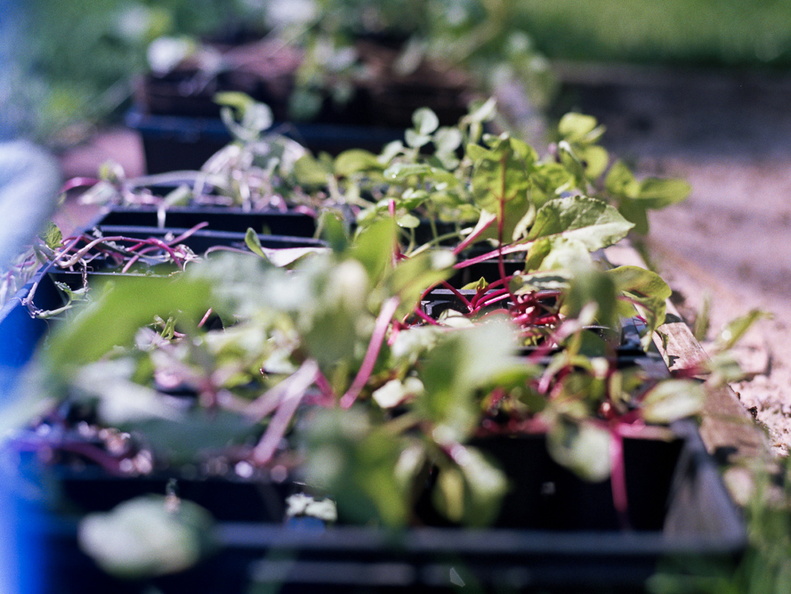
(727, 428)
(726, 423)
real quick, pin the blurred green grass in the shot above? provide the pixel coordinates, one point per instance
(721, 33)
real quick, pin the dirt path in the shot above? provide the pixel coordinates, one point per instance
(730, 242)
(730, 137)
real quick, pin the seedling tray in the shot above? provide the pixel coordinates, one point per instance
(681, 510)
(20, 332)
(290, 223)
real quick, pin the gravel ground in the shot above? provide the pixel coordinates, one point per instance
(730, 137)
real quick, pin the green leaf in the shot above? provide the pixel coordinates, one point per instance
(244, 117)
(416, 140)
(374, 247)
(253, 243)
(335, 320)
(408, 221)
(592, 222)
(194, 434)
(482, 111)
(735, 329)
(124, 305)
(476, 152)
(401, 171)
(454, 369)
(72, 294)
(425, 121)
(448, 140)
(413, 276)
(673, 399)
(52, 236)
(635, 212)
(357, 465)
(595, 160)
(356, 160)
(582, 447)
(310, 171)
(237, 100)
(147, 536)
(471, 491)
(579, 128)
(180, 196)
(620, 181)
(301, 505)
(502, 173)
(556, 253)
(648, 291)
(396, 391)
(549, 180)
(592, 286)
(333, 231)
(635, 198)
(723, 369)
(658, 193)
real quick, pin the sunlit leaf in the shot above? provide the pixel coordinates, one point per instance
(401, 171)
(673, 399)
(587, 220)
(52, 236)
(253, 243)
(577, 127)
(448, 140)
(557, 253)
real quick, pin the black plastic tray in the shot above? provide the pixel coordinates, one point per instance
(293, 224)
(694, 519)
(172, 143)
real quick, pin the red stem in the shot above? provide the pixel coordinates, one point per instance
(78, 182)
(620, 498)
(386, 314)
(289, 396)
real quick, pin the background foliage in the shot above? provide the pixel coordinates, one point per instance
(81, 54)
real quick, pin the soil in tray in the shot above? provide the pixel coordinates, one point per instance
(151, 265)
